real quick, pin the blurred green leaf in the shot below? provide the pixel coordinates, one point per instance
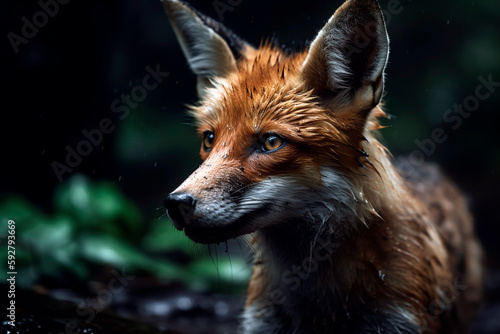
(112, 206)
(41, 241)
(98, 206)
(164, 237)
(17, 209)
(226, 271)
(105, 249)
(52, 243)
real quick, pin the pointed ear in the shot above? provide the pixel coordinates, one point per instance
(347, 59)
(210, 48)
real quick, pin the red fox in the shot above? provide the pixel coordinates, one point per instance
(344, 243)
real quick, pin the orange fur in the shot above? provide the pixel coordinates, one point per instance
(402, 241)
(409, 246)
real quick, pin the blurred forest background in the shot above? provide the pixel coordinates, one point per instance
(72, 70)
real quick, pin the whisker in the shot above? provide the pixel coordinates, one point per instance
(163, 215)
(231, 266)
(249, 245)
(241, 189)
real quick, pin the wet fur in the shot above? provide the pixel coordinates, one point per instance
(402, 253)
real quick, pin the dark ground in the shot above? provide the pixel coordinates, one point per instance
(148, 307)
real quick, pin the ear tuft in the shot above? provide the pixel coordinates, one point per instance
(347, 59)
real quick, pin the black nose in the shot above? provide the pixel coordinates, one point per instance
(180, 207)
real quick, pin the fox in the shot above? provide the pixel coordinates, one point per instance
(292, 160)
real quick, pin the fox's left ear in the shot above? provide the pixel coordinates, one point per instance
(210, 48)
(346, 61)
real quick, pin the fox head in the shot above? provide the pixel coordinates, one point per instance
(285, 137)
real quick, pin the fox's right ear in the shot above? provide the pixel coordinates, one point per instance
(210, 48)
(346, 61)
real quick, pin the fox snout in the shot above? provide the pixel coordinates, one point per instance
(205, 206)
(189, 215)
(180, 207)
(219, 202)
(210, 219)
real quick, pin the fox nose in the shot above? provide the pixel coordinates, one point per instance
(180, 208)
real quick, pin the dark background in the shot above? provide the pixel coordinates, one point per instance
(66, 77)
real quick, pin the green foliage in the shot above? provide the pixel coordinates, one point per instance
(94, 224)
(99, 208)
(212, 269)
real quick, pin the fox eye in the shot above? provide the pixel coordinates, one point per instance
(208, 140)
(272, 142)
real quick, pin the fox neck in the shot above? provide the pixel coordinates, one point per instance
(295, 242)
(302, 272)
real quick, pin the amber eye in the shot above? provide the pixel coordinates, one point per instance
(272, 142)
(208, 140)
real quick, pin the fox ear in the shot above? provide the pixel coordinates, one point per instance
(347, 59)
(210, 48)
